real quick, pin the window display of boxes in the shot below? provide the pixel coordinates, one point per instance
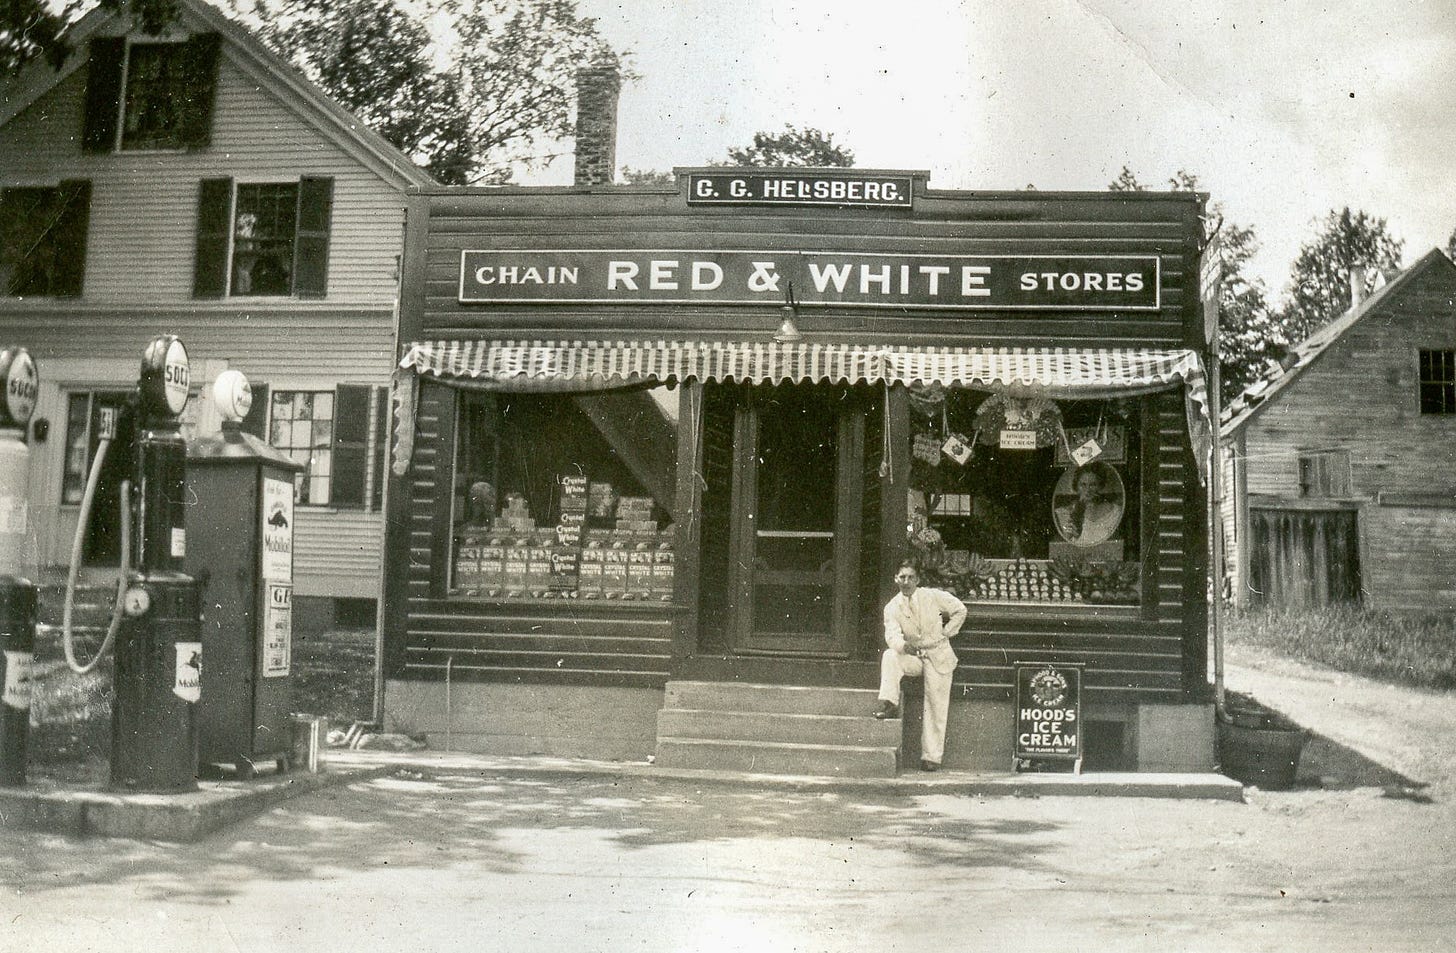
(601, 501)
(538, 562)
(466, 576)
(614, 573)
(639, 574)
(492, 565)
(663, 567)
(516, 574)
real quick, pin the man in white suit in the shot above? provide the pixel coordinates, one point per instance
(919, 624)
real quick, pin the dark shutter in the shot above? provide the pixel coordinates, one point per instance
(256, 423)
(351, 435)
(379, 460)
(74, 199)
(199, 77)
(103, 94)
(311, 244)
(214, 226)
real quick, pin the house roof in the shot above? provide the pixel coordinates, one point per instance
(1252, 400)
(254, 58)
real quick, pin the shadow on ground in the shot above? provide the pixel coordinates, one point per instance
(433, 822)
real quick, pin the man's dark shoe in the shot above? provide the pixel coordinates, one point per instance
(887, 710)
(929, 765)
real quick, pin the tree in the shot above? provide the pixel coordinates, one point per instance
(1320, 277)
(469, 108)
(36, 28)
(1451, 244)
(633, 176)
(795, 148)
(1126, 181)
(1249, 333)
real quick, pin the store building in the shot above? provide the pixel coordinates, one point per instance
(195, 184)
(1338, 459)
(652, 438)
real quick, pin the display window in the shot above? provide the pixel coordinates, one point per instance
(565, 496)
(1025, 499)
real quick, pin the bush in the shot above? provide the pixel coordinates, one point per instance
(1408, 650)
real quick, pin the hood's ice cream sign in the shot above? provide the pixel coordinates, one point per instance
(679, 276)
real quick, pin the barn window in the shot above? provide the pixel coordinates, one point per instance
(1326, 473)
(1438, 382)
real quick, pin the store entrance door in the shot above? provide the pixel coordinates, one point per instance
(794, 549)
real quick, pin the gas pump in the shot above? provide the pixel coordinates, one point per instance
(20, 380)
(158, 675)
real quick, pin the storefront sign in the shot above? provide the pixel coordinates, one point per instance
(788, 188)
(1048, 712)
(851, 279)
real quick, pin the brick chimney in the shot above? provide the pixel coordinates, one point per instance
(597, 89)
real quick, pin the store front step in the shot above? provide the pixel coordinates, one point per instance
(775, 729)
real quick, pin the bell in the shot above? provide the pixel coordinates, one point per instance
(787, 333)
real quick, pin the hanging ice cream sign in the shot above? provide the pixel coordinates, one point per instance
(866, 280)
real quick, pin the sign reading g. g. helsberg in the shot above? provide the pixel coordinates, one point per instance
(862, 189)
(852, 279)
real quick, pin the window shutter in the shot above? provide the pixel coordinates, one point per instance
(351, 435)
(214, 226)
(256, 423)
(199, 77)
(379, 460)
(103, 94)
(74, 199)
(311, 244)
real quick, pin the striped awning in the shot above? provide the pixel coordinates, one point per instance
(560, 364)
(543, 366)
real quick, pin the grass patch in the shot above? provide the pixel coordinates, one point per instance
(1407, 650)
(70, 714)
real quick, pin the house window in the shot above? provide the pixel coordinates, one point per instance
(1438, 382)
(263, 239)
(150, 95)
(152, 112)
(1326, 473)
(43, 239)
(263, 229)
(301, 424)
(336, 436)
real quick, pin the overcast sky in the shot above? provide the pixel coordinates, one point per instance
(1283, 109)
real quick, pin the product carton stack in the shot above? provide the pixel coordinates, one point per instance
(566, 550)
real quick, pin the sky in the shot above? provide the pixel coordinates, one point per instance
(1284, 110)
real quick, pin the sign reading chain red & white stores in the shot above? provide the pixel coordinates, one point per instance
(866, 280)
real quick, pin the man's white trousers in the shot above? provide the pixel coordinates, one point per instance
(895, 666)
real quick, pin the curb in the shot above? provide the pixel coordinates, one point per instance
(1192, 786)
(178, 818)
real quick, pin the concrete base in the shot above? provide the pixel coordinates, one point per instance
(978, 736)
(569, 721)
(1176, 738)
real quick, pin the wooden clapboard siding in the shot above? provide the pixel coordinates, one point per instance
(1361, 395)
(144, 205)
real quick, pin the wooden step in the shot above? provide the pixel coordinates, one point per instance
(779, 699)
(769, 757)
(777, 726)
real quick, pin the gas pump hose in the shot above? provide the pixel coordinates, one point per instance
(67, 638)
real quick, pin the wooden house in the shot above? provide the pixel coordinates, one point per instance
(1341, 461)
(194, 184)
(661, 449)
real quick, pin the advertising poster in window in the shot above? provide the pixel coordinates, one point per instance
(277, 530)
(277, 631)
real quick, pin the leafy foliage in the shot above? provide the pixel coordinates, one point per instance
(1126, 181)
(1320, 276)
(470, 89)
(633, 176)
(36, 28)
(1451, 244)
(793, 148)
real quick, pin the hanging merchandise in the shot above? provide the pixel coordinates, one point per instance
(957, 448)
(926, 447)
(927, 399)
(1019, 423)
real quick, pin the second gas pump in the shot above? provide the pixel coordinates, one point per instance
(158, 678)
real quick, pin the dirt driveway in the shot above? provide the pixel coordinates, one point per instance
(458, 860)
